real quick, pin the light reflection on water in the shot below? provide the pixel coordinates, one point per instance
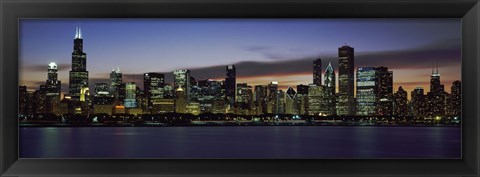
(241, 142)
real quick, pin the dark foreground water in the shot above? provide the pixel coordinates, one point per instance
(241, 142)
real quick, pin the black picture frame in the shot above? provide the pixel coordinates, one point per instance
(12, 10)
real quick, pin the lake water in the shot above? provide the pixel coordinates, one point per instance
(241, 142)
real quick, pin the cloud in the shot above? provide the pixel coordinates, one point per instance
(445, 53)
(272, 53)
(43, 68)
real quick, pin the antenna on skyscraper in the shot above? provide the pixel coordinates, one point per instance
(433, 69)
(437, 67)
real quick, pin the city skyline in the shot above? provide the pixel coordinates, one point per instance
(288, 72)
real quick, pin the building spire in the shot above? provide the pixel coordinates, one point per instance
(76, 32)
(433, 72)
(437, 67)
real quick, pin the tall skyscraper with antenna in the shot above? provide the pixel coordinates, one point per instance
(78, 77)
(436, 96)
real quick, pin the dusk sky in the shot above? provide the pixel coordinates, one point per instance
(263, 50)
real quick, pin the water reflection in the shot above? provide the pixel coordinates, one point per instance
(241, 142)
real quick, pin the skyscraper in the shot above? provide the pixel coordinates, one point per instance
(53, 85)
(153, 87)
(230, 83)
(261, 99)
(302, 99)
(182, 80)
(384, 94)
(78, 75)
(244, 93)
(291, 106)
(317, 71)
(115, 81)
(316, 100)
(272, 98)
(456, 98)
(367, 88)
(329, 83)
(436, 96)
(52, 89)
(130, 95)
(418, 102)
(244, 98)
(345, 99)
(400, 98)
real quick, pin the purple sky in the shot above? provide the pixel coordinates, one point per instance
(263, 49)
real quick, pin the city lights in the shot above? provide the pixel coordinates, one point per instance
(373, 87)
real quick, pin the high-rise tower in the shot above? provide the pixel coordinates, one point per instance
(115, 81)
(153, 84)
(53, 85)
(345, 99)
(79, 74)
(182, 80)
(329, 83)
(230, 84)
(436, 96)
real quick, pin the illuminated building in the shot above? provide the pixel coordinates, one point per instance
(302, 99)
(367, 86)
(180, 100)
(230, 83)
(317, 71)
(291, 104)
(418, 102)
(329, 83)
(84, 94)
(153, 84)
(25, 101)
(115, 81)
(244, 93)
(436, 97)
(261, 99)
(130, 95)
(168, 91)
(39, 100)
(244, 98)
(401, 107)
(101, 89)
(103, 109)
(272, 98)
(102, 101)
(182, 80)
(78, 75)
(456, 99)
(219, 106)
(119, 109)
(164, 105)
(345, 99)
(384, 91)
(280, 102)
(53, 85)
(193, 107)
(316, 100)
(52, 89)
